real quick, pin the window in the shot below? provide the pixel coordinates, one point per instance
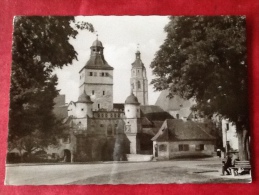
(183, 147)
(199, 147)
(82, 109)
(90, 73)
(95, 74)
(111, 115)
(98, 105)
(103, 92)
(139, 85)
(107, 74)
(102, 74)
(132, 85)
(101, 125)
(92, 92)
(162, 147)
(227, 126)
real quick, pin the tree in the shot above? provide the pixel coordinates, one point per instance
(40, 44)
(205, 58)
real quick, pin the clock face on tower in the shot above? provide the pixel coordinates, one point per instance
(127, 128)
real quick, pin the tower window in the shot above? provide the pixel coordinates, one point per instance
(90, 73)
(107, 74)
(103, 92)
(95, 74)
(227, 126)
(139, 85)
(102, 74)
(98, 105)
(92, 92)
(82, 109)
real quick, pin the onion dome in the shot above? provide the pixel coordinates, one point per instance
(84, 98)
(132, 99)
(97, 43)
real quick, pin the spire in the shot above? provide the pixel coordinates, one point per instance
(138, 52)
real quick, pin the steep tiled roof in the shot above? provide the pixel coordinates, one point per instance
(153, 112)
(176, 130)
(60, 111)
(97, 62)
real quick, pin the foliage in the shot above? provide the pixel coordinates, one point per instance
(204, 58)
(40, 44)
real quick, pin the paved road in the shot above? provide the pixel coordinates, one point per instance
(56, 174)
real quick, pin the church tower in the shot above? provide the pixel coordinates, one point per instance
(96, 78)
(138, 80)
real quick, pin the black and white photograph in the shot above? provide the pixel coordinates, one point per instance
(128, 100)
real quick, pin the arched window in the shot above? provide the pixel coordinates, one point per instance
(139, 85)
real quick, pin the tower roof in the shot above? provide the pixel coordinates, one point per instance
(138, 62)
(97, 60)
(84, 98)
(132, 99)
(97, 43)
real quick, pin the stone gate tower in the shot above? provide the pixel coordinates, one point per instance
(96, 78)
(138, 80)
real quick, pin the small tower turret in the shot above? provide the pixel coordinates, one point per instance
(84, 106)
(132, 122)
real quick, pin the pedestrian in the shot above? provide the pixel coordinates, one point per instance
(226, 165)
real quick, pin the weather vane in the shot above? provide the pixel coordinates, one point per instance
(138, 46)
(96, 35)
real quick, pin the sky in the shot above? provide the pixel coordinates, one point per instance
(120, 36)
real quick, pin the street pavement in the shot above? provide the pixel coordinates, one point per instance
(60, 174)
